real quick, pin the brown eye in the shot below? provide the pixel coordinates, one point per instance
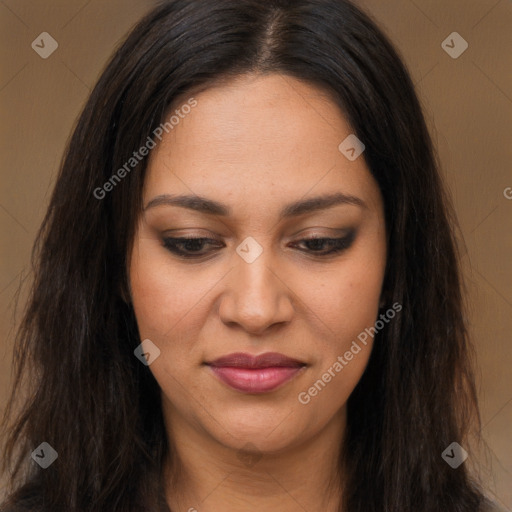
(188, 247)
(322, 246)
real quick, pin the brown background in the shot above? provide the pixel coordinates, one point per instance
(467, 102)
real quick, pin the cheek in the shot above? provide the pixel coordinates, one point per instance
(347, 300)
(161, 297)
(150, 287)
(170, 304)
(347, 303)
(161, 300)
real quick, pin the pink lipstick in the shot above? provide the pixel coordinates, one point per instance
(255, 374)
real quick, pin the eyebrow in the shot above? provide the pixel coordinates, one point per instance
(211, 207)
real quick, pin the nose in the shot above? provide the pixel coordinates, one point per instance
(256, 297)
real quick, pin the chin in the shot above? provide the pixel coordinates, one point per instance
(264, 432)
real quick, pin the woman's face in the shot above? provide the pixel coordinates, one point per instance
(259, 164)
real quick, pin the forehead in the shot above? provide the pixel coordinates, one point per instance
(255, 138)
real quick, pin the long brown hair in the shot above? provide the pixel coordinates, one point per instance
(91, 399)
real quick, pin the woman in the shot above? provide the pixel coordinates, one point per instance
(246, 288)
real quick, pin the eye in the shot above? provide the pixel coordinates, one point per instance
(189, 247)
(322, 246)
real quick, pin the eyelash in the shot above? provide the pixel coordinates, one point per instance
(339, 245)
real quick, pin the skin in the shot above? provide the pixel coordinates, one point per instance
(256, 144)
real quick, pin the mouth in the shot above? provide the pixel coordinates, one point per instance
(256, 374)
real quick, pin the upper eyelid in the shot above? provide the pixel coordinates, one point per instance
(348, 234)
(303, 233)
(348, 237)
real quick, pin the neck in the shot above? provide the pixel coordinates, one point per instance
(207, 476)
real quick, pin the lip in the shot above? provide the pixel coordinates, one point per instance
(255, 374)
